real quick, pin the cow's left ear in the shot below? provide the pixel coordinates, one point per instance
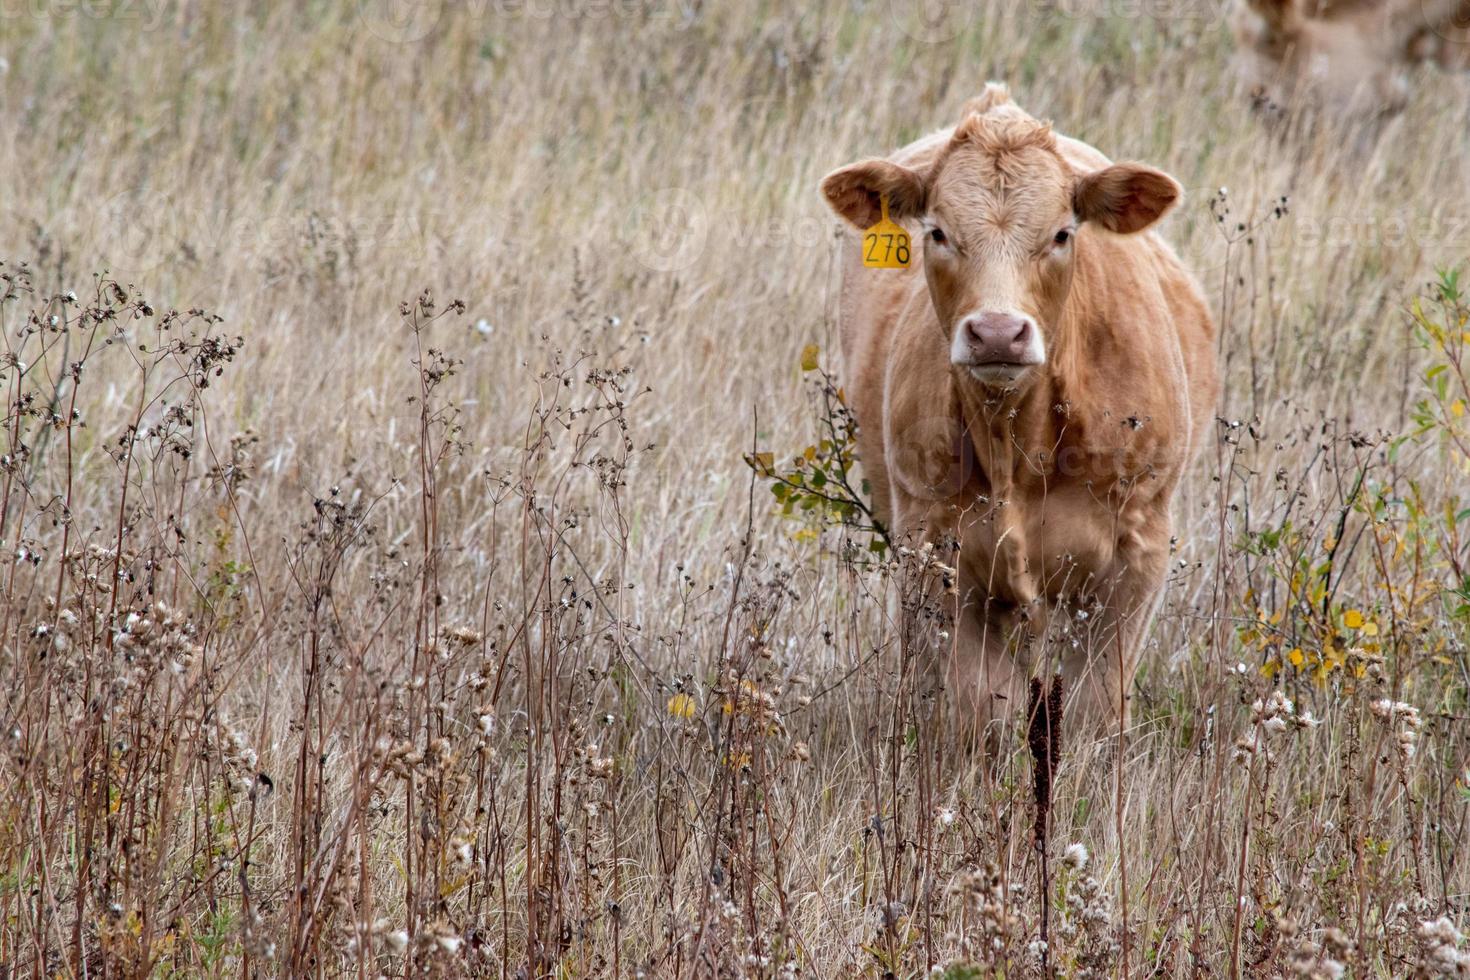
(1126, 197)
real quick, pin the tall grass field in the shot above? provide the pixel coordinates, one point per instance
(398, 579)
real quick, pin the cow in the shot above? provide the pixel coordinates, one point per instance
(1028, 393)
(1346, 56)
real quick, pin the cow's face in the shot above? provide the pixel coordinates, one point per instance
(999, 211)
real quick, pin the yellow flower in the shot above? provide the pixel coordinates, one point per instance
(1352, 619)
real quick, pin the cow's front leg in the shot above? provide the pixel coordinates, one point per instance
(989, 667)
(1100, 665)
(981, 640)
(955, 643)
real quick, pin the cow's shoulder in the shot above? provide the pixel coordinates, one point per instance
(1141, 334)
(921, 412)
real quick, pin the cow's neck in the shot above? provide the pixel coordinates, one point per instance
(1016, 433)
(1007, 431)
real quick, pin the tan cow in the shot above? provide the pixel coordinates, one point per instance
(1348, 55)
(1028, 393)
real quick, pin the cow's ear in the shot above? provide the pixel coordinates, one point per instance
(1126, 197)
(856, 190)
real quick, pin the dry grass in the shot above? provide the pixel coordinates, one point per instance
(436, 641)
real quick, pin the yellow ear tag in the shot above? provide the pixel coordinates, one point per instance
(886, 245)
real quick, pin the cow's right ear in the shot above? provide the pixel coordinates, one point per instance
(855, 192)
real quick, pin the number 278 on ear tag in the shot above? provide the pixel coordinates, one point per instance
(886, 245)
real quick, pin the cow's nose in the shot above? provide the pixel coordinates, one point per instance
(998, 338)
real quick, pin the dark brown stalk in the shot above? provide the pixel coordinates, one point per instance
(1044, 738)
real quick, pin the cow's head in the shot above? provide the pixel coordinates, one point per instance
(999, 210)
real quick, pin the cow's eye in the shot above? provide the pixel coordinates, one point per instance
(937, 237)
(1062, 237)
